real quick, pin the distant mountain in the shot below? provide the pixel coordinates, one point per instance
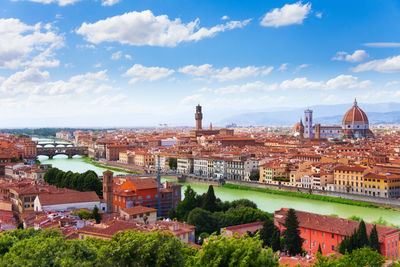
(381, 113)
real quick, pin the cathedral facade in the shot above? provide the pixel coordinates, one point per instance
(354, 125)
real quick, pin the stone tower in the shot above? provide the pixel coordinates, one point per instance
(301, 130)
(308, 126)
(108, 183)
(317, 134)
(199, 117)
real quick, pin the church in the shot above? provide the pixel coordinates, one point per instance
(355, 125)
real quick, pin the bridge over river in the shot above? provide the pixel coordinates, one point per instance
(69, 151)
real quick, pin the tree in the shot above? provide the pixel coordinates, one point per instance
(203, 220)
(362, 236)
(254, 176)
(291, 235)
(319, 249)
(243, 202)
(187, 204)
(173, 163)
(210, 201)
(242, 215)
(374, 241)
(96, 215)
(234, 251)
(266, 232)
(276, 240)
(359, 257)
(133, 248)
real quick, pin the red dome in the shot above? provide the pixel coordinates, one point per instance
(355, 115)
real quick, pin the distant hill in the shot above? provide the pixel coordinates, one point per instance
(381, 113)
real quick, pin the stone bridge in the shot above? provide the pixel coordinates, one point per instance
(54, 144)
(69, 151)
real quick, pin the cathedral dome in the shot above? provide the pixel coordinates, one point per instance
(355, 116)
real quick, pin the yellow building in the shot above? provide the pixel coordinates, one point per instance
(271, 173)
(382, 185)
(144, 159)
(349, 179)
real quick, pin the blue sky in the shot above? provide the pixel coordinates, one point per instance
(133, 63)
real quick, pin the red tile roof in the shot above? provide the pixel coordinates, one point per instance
(68, 197)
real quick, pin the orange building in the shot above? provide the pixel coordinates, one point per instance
(329, 231)
(131, 191)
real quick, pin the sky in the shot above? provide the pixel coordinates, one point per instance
(115, 63)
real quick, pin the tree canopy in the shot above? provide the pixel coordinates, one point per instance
(87, 181)
(291, 235)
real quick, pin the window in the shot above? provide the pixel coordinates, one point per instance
(140, 197)
(333, 236)
(315, 232)
(333, 247)
(148, 197)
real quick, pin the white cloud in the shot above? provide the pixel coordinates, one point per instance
(302, 66)
(97, 65)
(225, 17)
(143, 28)
(141, 73)
(88, 46)
(357, 56)
(191, 99)
(107, 100)
(35, 82)
(392, 83)
(59, 2)
(283, 67)
(383, 45)
(116, 55)
(347, 82)
(109, 2)
(287, 15)
(339, 82)
(300, 83)
(387, 65)
(224, 74)
(256, 86)
(318, 15)
(128, 57)
(22, 45)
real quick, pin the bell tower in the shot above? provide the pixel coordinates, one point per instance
(199, 118)
(108, 195)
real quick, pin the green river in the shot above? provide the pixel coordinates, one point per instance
(267, 202)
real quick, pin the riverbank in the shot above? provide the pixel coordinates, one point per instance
(304, 195)
(95, 163)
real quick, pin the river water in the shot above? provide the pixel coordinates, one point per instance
(266, 202)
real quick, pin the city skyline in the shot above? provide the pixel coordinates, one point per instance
(118, 63)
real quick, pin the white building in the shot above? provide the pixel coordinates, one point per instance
(169, 142)
(69, 200)
(185, 165)
(200, 166)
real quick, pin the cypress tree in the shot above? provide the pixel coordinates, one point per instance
(210, 201)
(362, 235)
(276, 240)
(319, 249)
(292, 240)
(266, 232)
(374, 241)
(96, 214)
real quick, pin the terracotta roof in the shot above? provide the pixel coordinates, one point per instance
(68, 197)
(331, 224)
(355, 115)
(138, 210)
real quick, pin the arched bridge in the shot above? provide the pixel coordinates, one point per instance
(69, 151)
(54, 144)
